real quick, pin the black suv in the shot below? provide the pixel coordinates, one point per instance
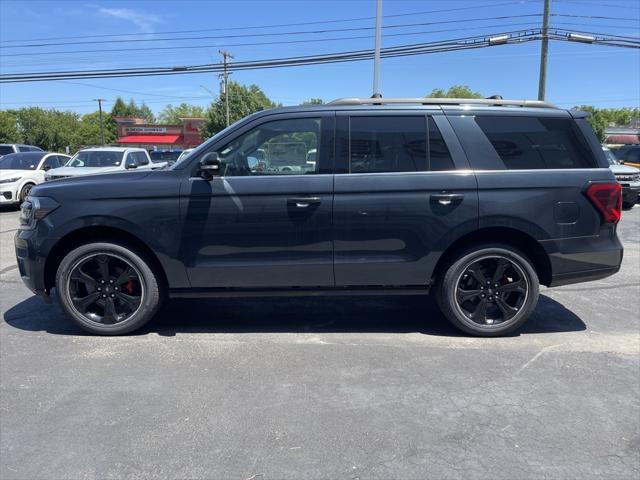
(479, 201)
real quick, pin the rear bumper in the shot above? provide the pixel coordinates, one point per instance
(630, 193)
(583, 259)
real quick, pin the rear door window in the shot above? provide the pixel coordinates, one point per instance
(537, 142)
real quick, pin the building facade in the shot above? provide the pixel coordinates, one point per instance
(134, 132)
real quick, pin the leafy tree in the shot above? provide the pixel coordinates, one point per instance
(120, 108)
(89, 129)
(9, 127)
(313, 101)
(243, 101)
(457, 91)
(131, 109)
(172, 115)
(145, 112)
(48, 129)
(601, 118)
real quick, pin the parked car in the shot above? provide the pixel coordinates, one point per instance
(476, 201)
(92, 161)
(7, 148)
(166, 156)
(627, 176)
(184, 153)
(19, 172)
(629, 155)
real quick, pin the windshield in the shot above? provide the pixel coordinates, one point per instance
(4, 149)
(20, 161)
(95, 158)
(611, 158)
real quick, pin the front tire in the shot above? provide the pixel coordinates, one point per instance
(24, 192)
(107, 288)
(489, 290)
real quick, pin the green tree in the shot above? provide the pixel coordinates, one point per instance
(89, 129)
(172, 115)
(243, 101)
(457, 91)
(313, 101)
(51, 130)
(9, 132)
(601, 118)
(120, 108)
(145, 112)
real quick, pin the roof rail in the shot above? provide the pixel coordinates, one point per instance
(442, 101)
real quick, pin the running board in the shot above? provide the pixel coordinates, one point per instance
(295, 292)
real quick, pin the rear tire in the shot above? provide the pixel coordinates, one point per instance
(108, 288)
(628, 205)
(488, 290)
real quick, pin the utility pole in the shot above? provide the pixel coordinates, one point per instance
(376, 56)
(100, 100)
(225, 80)
(544, 50)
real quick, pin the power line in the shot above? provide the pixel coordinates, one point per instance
(180, 47)
(302, 32)
(319, 22)
(402, 50)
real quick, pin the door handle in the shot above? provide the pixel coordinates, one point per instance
(303, 202)
(447, 198)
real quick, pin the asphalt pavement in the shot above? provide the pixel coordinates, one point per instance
(353, 388)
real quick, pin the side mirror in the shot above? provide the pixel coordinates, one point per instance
(131, 164)
(210, 165)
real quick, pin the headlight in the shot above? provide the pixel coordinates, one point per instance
(10, 180)
(34, 209)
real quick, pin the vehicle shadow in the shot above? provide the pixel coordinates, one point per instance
(362, 314)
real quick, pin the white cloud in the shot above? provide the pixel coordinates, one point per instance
(144, 21)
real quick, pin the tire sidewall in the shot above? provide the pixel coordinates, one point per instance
(447, 290)
(151, 294)
(22, 195)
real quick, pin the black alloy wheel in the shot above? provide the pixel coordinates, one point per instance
(105, 288)
(488, 290)
(491, 290)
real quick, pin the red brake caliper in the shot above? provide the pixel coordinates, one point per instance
(128, 287)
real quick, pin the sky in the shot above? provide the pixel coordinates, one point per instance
(577, 73)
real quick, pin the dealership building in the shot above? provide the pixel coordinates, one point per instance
(135, 132)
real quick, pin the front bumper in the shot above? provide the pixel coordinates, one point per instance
(8, 194)
(30, 263)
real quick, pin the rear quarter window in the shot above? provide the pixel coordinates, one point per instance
(537, 142)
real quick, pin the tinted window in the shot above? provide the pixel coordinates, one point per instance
(388, 144)
(51, 162)
(63, 160)
(439, 156)
(537, 143)
(24, 149)
(20, 161)
(281, 147)
(141, 158)
(5, 149)
(96, 158)
(633, 155)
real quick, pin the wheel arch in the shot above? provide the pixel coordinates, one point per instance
(98, 233)
(504, 235)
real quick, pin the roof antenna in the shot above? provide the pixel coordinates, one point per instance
(494, 97)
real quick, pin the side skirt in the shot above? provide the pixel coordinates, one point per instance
(295, 292)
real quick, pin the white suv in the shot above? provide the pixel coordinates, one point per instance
(92, 161)
(19, 172)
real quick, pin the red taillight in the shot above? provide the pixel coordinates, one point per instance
(607, 198)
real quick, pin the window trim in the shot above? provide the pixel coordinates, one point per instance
(327, 141)
(342, 163)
